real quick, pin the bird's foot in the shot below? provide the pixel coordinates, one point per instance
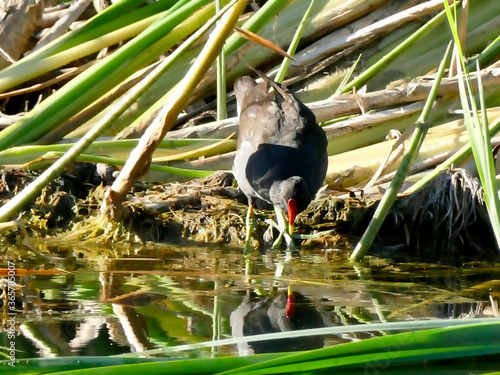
(278, 241)
(283, 233)
(290, 243)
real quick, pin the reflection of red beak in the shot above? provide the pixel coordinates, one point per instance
(292, 213)
(290, 303)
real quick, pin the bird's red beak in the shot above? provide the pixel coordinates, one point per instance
(292, 213)
(290, 303)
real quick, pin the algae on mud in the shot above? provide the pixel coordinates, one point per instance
(444, 222)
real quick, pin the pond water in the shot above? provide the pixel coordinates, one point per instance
(127, 300)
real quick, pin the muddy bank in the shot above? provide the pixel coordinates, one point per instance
(444, 222)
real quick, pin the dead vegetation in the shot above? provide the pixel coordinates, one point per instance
(446, 221)
(357, 118)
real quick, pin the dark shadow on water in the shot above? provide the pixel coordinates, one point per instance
(256, 316)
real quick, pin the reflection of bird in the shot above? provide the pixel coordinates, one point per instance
(268, 315)
(281, 156)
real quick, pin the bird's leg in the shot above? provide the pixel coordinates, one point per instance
(249, 227)
(289, 240)
(284, 230)
(281, 226)
(278, 240)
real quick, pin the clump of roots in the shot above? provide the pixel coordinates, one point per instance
(446, 220)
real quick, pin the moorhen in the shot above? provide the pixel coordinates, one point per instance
(290, 311)
(281, 155)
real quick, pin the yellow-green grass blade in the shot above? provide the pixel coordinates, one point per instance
(115, 161)
(113, 365)
(398, 358)
(116, 148)
(359, 81)
(263, 16)
(401, 351)
(280, 76)
(473, 339)
(121, 21)
(97, 80)
(390, 195)
(477, 128)
(142, 154)
(461, 155)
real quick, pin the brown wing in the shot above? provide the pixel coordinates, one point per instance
(259, 114)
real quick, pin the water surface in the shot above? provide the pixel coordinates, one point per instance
(179, 295)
